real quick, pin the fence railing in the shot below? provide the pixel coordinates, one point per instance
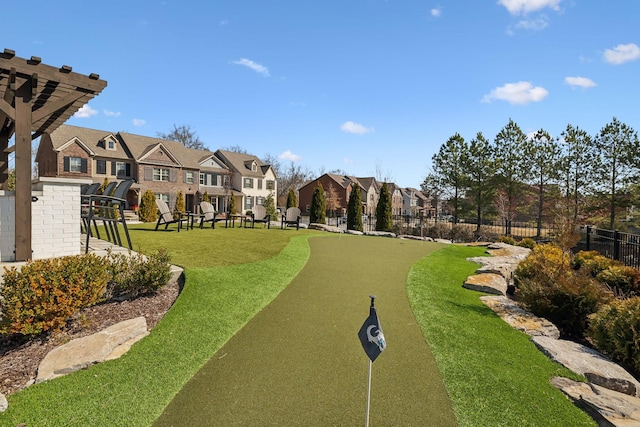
(617, 245)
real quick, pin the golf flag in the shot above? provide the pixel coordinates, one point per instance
(371, 335)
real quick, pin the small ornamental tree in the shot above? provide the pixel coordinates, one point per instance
(270, 206)
(12, 180)
(179, 208)
(292, 199)
(104, 186)
(354, 209)
(206, 198)
(384, 220)
(148, 212)
(318, 212)
(232, 205)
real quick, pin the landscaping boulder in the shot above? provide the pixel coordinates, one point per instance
(4, 404)
(489, 283)
(325, 227)
(80, 353)
(522, 320)
(354, 232)
(585, 361)
(380, 233)
(606, 407)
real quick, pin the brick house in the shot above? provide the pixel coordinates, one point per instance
(341, 185)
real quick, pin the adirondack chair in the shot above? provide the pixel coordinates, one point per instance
(110, 210)
(209, 214)
(259, 214)
(291, 217)
(166, 216)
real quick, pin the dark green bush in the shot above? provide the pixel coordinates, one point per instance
(43, 294)
(134, 275)
(615, 331)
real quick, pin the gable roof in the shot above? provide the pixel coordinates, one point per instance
(91, 138)
(241, 163)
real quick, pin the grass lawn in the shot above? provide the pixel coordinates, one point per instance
(492, 373)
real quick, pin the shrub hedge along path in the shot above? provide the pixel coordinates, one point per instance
(299, 360)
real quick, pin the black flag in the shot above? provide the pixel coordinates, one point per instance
(371, 335)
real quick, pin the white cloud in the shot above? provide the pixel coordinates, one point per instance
(138, 122)
(347, 161)
(622, 53)
(357, 128)
(578, 81)
(111, 113)
(436, 12)
(522, 7)
(517, 93)
(85, 112)
(537, 24)
(258, 68)
(288, 155)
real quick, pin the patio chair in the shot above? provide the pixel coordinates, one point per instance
(259, 214)
(110, 210)
(291, 217)
(209, 214)
(86, 191)
(166, 217)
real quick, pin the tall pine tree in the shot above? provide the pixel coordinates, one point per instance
(318, 212)
(292, 199)
(384, 220)
(354, 209)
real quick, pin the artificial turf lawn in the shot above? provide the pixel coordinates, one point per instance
(299, 361)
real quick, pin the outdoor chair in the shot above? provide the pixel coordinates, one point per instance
(209, 214)
(259, 214)
(291, 217)
(110, 210)
(166, 216)
(86, 191)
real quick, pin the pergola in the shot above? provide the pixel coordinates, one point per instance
(34, 99)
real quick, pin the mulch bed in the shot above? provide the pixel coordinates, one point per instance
(19, 360)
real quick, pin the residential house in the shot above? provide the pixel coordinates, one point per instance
(251, 181)
(396, 198)
(371, 193)
(414, 203)
(337, 189)
(164, 167)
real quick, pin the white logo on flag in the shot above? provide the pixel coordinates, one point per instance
(378, 338)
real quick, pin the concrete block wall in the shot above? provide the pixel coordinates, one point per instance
(55, 219)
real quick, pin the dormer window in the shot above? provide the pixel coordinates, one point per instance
(111, 145)
(254, 167)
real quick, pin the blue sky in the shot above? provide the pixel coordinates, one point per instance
(364, 86)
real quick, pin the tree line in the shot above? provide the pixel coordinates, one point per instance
(593, 179)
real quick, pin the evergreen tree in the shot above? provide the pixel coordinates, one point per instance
(480, 176)
(148, 211)
(292, 199)
(179, 208)
(12, 180)
(384, 219)
(206, 198)
(270, 206)
(448, 164)
(103, 186)
(354, 209)
(232, 205)
(318, 212)
(578, 155)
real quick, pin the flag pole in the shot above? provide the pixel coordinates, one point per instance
(369, 393)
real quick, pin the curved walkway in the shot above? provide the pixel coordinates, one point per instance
(299, 361)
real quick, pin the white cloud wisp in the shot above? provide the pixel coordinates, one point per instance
(258, 68)
(517, 93)
(355, 128)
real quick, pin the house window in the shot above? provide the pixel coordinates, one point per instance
(189, 178)
(101, 167)
(160, 174)
(270, 185)
(259, 184)
(202, 178)
(122, 169)
(248, 202)
(260, 200)
(254, 166)
(248, 183)
(111, 145)
(163, 197)
(75, 164)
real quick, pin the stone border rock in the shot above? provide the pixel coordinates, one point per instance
(611, 394)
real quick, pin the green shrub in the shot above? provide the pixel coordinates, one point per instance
(527, 242)
(133, 275)
(318, 212)
(507, 239)
(615, 331)
(622, 280)
(354, 209)
(547, 286)
(148, 211)
(179, 208)
(43, 294)
(591, 262)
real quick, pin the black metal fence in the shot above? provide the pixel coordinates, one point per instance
(619, 246)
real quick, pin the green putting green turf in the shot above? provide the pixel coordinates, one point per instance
(299, 361)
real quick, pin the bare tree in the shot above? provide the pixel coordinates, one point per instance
(236, 149)
(185, 135)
